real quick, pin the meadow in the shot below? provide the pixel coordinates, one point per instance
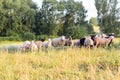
(64, 64)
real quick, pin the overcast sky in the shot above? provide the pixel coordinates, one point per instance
(88, 4)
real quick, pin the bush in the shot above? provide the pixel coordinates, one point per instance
(28, 36)
(11, 33)
(41, 37)
(90, 29)
(76, 32)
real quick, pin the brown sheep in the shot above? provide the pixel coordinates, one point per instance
(39, 44)
(102, 42)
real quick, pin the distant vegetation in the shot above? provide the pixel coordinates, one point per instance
(23, 20)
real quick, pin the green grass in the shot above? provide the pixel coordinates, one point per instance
(64, 64)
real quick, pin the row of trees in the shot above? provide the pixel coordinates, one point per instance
(17, 17)
(108, 15)
(24, 19)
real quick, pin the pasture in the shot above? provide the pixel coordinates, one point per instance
(64, 64)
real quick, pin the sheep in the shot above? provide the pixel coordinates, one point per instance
(81, 42)
(88, 42)
(39, 44)
(25, 46)
(102, 42)
(33, 46)
(47, 44)
(68, 42)
(76, 43)
(58, 42)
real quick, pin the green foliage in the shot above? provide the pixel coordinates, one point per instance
(55, 18)
(90, 29)
(108, 15)
(75, 14)
(41, 37)
(28, 36)
(20, 16)
(11, 33)
(56, 30)
(94, 21)
(76, 31)
(15, 14)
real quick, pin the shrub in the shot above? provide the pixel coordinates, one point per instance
(28, 36)
(11, 33)
(41, 37)
(90, 29)
(76, 31)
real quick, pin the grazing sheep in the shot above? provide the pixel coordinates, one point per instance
(33, 46)
(93, 37)
(112, 39)
(25, 46)
(102, 42)
(88, 42)
(39, 44)
(81, 42)
(76, 43)
(48, 44)
(58, 42)
(68, 42)
(102, 35)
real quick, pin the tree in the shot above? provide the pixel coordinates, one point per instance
(55, 18)
(16, 16)
(72, 13)
(94, 21)
(45, 18)
(108, 15)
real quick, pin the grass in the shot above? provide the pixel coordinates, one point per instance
(69, 64)
(65, 64)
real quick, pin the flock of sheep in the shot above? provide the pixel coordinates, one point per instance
(100, 40)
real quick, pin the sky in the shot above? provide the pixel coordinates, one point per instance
(88, 4)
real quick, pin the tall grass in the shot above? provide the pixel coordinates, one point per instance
(63, 64)
(68, 64)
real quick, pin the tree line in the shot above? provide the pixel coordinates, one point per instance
(24, 20)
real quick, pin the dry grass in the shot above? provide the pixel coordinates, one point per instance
(63, 64)
(68, 64)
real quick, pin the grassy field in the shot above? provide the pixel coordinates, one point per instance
(64, 64)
